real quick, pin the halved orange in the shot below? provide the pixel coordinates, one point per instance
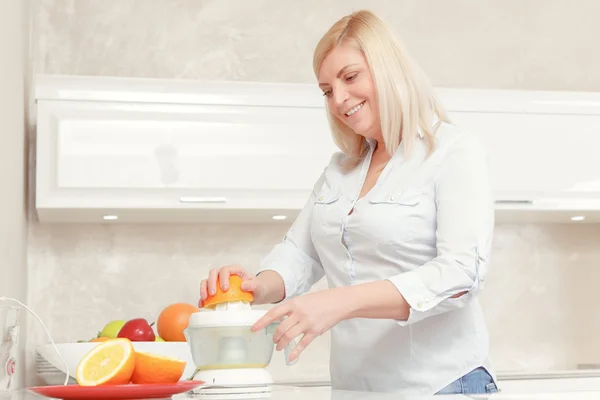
(110, 363)
(154, 368)
(233, 293)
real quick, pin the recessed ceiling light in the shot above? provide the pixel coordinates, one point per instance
(110, 217)
(279, 217)
(578, 218)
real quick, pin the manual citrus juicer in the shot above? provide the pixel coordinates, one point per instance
(229, 357)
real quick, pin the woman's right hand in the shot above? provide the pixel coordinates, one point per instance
(250, 282)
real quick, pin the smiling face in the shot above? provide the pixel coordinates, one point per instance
(346, 81)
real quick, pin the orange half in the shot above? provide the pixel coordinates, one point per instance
(110, 363)
(154, 368)
(233, 293)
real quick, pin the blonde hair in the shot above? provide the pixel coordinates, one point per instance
(405, 97)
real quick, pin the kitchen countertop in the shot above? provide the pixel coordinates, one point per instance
(325, 393)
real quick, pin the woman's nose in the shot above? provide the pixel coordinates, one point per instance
(340, 95)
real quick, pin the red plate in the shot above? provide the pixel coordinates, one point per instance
(130, 391)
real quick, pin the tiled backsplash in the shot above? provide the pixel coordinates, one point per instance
(537, 300)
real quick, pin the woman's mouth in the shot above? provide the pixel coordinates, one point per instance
(354, 109)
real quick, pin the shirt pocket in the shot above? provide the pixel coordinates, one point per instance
(325, 215)
(394, 218)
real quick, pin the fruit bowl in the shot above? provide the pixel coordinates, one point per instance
(50, 367)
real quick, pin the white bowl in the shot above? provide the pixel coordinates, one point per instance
(72, 353)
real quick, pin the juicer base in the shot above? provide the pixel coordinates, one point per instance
(231, 393)
(234, 383)
(235, 377)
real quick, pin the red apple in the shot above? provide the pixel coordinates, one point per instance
(137, 330)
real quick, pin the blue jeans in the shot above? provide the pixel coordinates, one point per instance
(478, 381)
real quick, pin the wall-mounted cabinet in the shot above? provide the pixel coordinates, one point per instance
(148, 150)
(543, 148)
(230, 155)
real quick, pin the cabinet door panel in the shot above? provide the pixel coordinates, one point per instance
(539, 154)
(209, 147)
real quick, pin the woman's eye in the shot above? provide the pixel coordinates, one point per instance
(351, 77)
(327, 93)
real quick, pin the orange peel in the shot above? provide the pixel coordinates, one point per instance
(154, 368)
(233, 293)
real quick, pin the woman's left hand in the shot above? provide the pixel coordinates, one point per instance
(309, 315)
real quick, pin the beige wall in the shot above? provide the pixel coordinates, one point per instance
(13, 51)
(534, 44)
(82, 276)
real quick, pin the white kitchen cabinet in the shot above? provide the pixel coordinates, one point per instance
(152, 150)
(152, 161)
(549, 155)
(543, 150)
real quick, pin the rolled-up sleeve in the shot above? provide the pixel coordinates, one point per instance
(465, 225)
(295, 258)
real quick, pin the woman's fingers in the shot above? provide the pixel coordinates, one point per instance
(307, 338)
(212, 281)
(203, 290)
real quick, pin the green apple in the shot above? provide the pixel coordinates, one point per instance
(111, 330)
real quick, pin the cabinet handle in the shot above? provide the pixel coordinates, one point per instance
(513, 201)
(202, 199)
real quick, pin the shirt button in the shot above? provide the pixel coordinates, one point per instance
(392, 198)
(321, 198)
(419, 305)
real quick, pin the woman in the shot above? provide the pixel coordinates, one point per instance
(400, 223)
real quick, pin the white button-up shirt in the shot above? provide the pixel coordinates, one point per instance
(426, 226)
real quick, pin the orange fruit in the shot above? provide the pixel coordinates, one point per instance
(173, 320)
(233, 293)
(110, 363)
(154, 368)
